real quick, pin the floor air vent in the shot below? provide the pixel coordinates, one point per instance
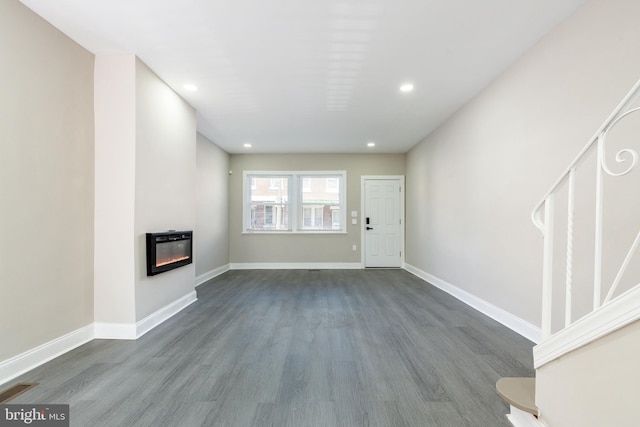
(13, 391)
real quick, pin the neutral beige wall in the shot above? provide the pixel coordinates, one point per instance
(46, 182)
(472, 184)
(212, 216)
(115, 144)
(594, 386)
(165, 184)
(248, 248)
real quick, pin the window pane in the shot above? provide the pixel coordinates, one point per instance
(320, 195)
(269, 189)
(318, 192)
(269, 203)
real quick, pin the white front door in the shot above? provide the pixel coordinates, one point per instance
(382, 219)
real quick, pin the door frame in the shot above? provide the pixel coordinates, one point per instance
(363, 247)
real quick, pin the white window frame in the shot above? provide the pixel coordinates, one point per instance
(295, 198)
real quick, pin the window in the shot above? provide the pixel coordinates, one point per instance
(298, 202)
(268, 203)
(318, 203)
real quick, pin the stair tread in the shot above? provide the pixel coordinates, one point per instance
(518, 392)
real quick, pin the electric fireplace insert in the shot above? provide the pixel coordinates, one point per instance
(168, 250)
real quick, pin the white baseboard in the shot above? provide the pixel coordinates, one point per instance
(522, 327)
(165, 313)
(132, 331)
(18, 365)
(211, 274)
(612, 316)
(115, 331)
(520, 418)
(30, 359)
(295, 266)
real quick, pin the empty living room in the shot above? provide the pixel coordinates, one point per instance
(329, 213)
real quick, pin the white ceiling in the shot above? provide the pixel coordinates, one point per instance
(315, 76)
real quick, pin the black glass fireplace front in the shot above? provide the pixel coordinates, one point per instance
(168, 250)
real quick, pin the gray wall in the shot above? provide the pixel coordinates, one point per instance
(323, 248)
(165, 184)
(472, 184)
(46, 182)
(212, 216)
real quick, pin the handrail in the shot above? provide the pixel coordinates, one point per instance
(548, 202)
(613, 119)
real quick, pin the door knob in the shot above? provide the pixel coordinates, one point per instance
(369, 228)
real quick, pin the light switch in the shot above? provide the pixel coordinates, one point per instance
(354, 214)
(354, 221)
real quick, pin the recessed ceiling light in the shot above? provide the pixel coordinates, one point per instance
(190, 87)
(371, 144)
(247, 145)
(406, 87)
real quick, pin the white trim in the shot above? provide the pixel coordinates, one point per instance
(519, 418)
(614, 315)
(115, 331)
(211, 274)
(295, 266)
(363, 178)
(165, 313)
(132, 331)
(30, 359)
(522, 327)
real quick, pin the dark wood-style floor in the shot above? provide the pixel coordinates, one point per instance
(297, 348)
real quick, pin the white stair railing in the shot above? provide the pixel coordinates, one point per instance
(543, 217)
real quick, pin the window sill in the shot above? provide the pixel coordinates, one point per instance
(295, 232)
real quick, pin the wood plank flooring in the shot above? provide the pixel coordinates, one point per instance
(297, 348)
